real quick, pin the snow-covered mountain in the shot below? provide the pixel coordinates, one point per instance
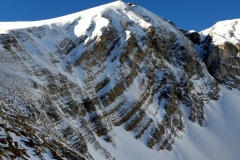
(219, 47)
(223, 59)
(113, 82)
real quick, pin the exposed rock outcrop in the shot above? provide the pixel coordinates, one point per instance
(223, 59)
(219, 47)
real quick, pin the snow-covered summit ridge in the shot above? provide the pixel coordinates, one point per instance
(225, 31)
(93, 20)
(5, 27)
(63, 21)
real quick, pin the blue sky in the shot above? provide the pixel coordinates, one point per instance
(187, 14)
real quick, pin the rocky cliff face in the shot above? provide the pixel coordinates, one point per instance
(223, 59)
(219, 47)
(74, 79)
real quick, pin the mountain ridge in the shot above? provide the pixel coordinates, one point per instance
(67, 18)
(85, 82)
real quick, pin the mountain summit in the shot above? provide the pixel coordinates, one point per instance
(111, 82)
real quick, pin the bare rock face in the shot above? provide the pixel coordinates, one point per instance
(76, 80)
(224, 64)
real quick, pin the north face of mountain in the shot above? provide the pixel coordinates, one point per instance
(82, 81)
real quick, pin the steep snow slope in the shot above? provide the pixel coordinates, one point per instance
(112, 82)
(218, 139)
